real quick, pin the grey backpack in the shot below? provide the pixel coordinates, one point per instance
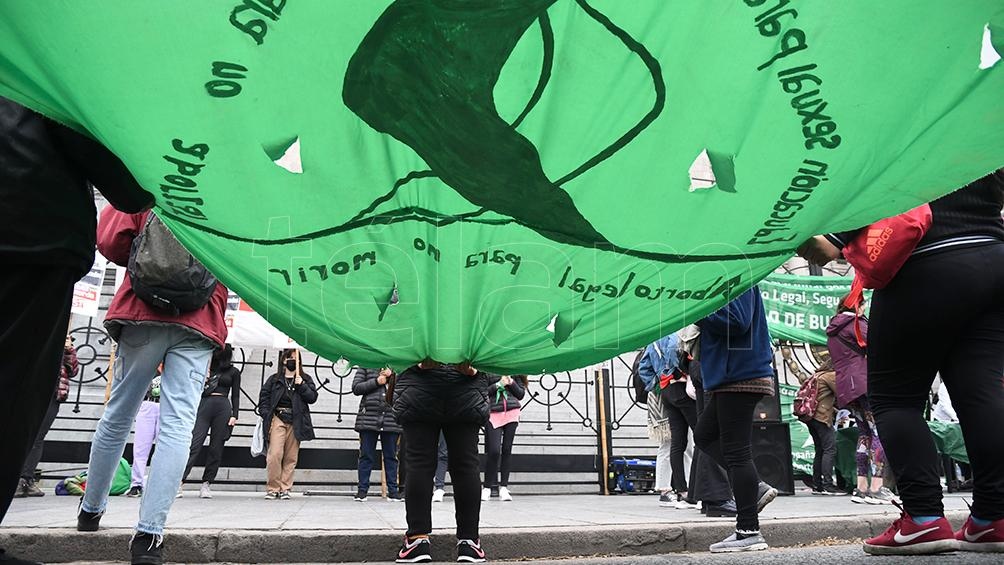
(164, 274)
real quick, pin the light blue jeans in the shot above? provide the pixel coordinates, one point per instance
(186, 363)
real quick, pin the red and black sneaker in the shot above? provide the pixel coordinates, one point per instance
(415, 551)
(986, 538)
(469, 551)
(906, 537)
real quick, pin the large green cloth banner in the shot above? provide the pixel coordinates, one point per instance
(800, 307)
(526, 184)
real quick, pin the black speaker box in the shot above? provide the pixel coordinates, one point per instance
(769, 408)
(772, 455)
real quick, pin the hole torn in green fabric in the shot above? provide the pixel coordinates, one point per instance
(286, 154)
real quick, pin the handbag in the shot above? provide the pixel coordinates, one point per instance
(258, 439)
(878, 253)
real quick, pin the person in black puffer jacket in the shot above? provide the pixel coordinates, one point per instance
(504, 392)
(376, 421)
(429, 398)
(284, 405)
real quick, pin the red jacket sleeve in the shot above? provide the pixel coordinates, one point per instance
(116, 230)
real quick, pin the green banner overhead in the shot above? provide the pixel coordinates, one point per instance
(800, 307)
(530, 185)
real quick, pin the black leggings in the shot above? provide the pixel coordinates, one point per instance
(214, 414)
(498, 454)
(944, 312)
(682, 414)
(421, 451)
(825, 444)
(725, 432)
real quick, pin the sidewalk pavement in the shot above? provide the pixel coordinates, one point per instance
(245, 528)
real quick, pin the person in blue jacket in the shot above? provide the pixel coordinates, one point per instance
(736, 359)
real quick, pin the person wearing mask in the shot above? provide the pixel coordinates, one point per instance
(822, 432)
(47, 227)
(218, 413)
(284, 405)
(430, 398)
(146, 336)
(69, 369)
(439, 481)
(850, 361)
(505, 393)
(145, 434)
(736, 363)
(375, 421)
(942, 311)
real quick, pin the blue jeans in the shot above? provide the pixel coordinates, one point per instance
(186, 365)
(368, 459)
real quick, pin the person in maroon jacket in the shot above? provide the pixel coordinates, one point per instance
(146, 337)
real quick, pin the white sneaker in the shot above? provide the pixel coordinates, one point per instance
(204, 492)
(438, 494)
(682, 504)
(504, 495)
(486, 494)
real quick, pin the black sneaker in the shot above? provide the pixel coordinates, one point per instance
(395, 497)
(147, 549)
(667, 499)
(360, 496)
(832, 490)
(87, 521)
(135, 492)
(284, 495)
(725, 509)
(417, 551)
(8, 559)
(31, 488)
(469, 551)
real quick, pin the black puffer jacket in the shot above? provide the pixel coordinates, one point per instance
(48, 215)
(375, 415)
(505, 398)
(303, 396)
(441, 395)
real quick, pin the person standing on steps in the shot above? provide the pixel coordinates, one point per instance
(736, 360)
(822, 432)
(376, 421)
(217, 416)
(850, 361)
(284, 405)
(67, 371)
(505, 393)
(145, 433)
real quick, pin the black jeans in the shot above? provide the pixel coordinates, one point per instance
(34, 315)
(824, 440)
(442, 461)
(943, 312)
(725, 433)
(213, 419)
(35, 455)
(421, 453)
(368, 459)
(682, 412)
(498, 454)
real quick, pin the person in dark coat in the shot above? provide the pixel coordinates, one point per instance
(47, 232)
(430, 398)
(284, 405)
(376, 421)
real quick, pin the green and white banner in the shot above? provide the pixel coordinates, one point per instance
(800, 307)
